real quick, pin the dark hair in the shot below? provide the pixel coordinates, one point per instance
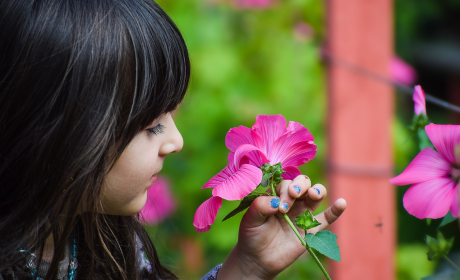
(78, 80)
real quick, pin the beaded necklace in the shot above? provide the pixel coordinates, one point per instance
(31, 260)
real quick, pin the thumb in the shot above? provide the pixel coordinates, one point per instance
(260, 209)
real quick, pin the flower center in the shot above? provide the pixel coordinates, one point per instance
(455, 174)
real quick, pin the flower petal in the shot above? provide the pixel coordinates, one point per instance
(249, 154)
(239, 184)
(269, 128)
(419, 100)
(430, 199)
(291, 172)
(222, 176)
(300, 131)
(206, 214)
(238, 136)
(160, 203)
(427, 165)
(455, 203)
(296, 142)
(297, 154)
(445, 139)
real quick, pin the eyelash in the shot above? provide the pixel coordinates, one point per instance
(157, 129)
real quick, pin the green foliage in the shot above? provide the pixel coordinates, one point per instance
(438, 248)
(306, 221)
(271, 173)
(411, 262)
(448, 218)
(245, 203)
(324, 242)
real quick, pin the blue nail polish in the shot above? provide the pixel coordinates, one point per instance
(285, 206)
(317, 190)
(275, 202)
(297, 188)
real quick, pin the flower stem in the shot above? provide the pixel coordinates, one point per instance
(272, 186)
(318, 262)
(302, 240)
(452, 263)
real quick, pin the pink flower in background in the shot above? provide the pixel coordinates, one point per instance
(303, 31)
(269, 141)
(419, 100)
(160, 203)
(435, 175)
(402, 72)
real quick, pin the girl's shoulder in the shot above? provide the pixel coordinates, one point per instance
(144, 265)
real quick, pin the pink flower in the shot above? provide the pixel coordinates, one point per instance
(269, 141)
(402, 72)
(435, 175)
(160, 203)
(419, 100)
(303, 31)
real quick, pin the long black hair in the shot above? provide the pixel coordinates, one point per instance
(78, 80)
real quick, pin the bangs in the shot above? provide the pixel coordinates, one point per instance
(155, 66)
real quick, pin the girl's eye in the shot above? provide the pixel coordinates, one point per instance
(157, 129)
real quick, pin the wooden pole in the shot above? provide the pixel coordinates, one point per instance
(360, 112)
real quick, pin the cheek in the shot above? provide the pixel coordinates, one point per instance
(124, 198)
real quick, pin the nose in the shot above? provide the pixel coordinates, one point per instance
(174, 141)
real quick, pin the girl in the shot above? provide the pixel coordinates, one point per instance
(86, 92)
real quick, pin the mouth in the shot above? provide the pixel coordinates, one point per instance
(153, 178)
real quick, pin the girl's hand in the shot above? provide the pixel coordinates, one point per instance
(266, 244)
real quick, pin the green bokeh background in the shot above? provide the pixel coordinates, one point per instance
(251, 62)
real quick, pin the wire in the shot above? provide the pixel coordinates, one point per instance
(401, 87)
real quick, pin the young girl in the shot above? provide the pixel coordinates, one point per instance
(86, 92)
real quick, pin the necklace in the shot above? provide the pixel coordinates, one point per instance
(31, 260)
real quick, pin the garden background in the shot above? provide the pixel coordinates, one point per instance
(268, 59)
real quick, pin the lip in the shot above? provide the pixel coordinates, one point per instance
(153, 178)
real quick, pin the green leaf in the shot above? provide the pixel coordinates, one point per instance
(306, 221)
(245, 203)
(324, 242)
(448, 218)
(433, 244)
(444, 244)
(438, 248)
(266, 179)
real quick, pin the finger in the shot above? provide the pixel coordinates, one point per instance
(330, 215)
(283, 184)
(290, 191)
(260, 209)
(315, 197)
(299, 186)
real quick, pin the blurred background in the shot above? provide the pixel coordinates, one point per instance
(252, 57)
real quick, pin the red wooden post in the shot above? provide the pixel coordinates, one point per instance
(360, 153)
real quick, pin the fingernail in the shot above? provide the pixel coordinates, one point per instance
(285, 206)
(275, 202)
(297, 188)
(306, 177)
(317, 190)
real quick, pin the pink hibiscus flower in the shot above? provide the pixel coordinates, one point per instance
(160, 203)
(435, 175)
(269, 141)
(419, 100)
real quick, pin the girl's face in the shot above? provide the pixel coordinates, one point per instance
(124, 191)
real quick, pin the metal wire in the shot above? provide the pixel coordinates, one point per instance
(401, 87)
